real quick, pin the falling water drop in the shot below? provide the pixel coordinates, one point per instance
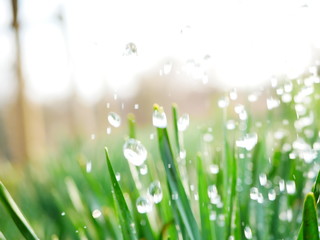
(114, 119)
(134, 152)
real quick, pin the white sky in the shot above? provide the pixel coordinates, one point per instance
(248, 41)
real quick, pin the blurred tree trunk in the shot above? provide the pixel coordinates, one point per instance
(25, 125)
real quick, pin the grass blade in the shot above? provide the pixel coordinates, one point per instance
(206, 231)
(309, 227)
(175, 183)
(127, 224)
(2, 237)
(316, 188)
(310, 219)
(16, 214)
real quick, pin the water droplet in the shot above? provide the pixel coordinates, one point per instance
(248, 141)
(159, 118)
(88, 166)
(114, 119)
(134, 152)
(214, 169)
(118, 176)
(208, 137)
(291, 187)
(93, 136)
(253, 97)
(143, 169)
(96, 213)
(63, 214)
(272, 195)
(233, 94)
(174, 196)
(213, 216)
(248, 232)
(286, 98)
(254, 193)
(143, 205)
(108, 105)
(231, 124)
(183, 122)
(136, 106)
(131, 49)
(115, 96)
(108, 130)
(182, 154)
(272, 103)
(263, 179)
(281, 185)
(223, 102)
(155, 192)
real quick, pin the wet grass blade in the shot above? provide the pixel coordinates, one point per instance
(2, 237)
(125, 218)
(309, 228)
(16, 214)
(175, 183)
(206, 231)
(316, 188)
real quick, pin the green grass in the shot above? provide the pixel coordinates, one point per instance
(211, 188)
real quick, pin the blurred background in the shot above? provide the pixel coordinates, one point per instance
(64, 65)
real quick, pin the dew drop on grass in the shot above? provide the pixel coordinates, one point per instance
(96, 213)
(155, 191)
(130, 50)
(174, 196)
(213, 216)
(214, 169)
(263, 179)
(143, 205)
(118, 176)
(183, 122)
(233, 94)
(88, 166)
(159, 119)
(143, 169)
(281, 185)
(254, 193)
(272, 103)
(114, 119)
(182, 154)
(248, 232)
(248, 141)
(108, 130)
(63, 214)
(291, 187)
(223, 102)
(272, 195)
(230, 125)
(134, 152)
